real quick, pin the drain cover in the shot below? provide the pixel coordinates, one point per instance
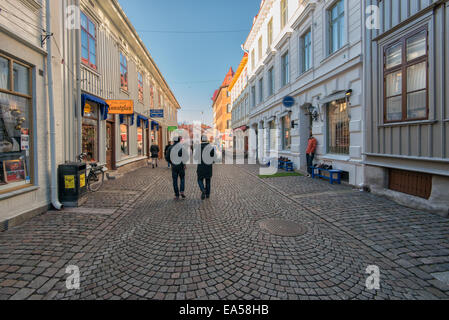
(282, 227)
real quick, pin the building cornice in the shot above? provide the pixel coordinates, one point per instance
(310, 7)
(260, 18)
(283, 40)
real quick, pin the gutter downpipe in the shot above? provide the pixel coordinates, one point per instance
(54, 183)
(78, 85)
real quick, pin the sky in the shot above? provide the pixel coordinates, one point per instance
(193, 63)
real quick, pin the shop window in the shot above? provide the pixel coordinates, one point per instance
(286, 133)
(338, 127)
(90, 132)
(141, 139)
(15, 123)
(4, 74)
(124, 136)
(406, 79)
(88, 42)
(273, 135)
(123, 72)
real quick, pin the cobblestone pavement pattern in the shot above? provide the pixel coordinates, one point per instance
(133, 241)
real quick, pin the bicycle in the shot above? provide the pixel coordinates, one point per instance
(95, 178)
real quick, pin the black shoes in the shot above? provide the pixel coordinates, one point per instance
(203, 196)
(183, 195)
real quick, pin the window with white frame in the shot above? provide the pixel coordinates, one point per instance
(260, 90)
(306, 51)
(259, 45)
(336, 16)
(285, 69)
(284, 13)
(270, 32)
(253, 96)
(271, 81)
(286, 132)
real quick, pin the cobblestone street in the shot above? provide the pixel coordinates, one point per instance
(131, 240)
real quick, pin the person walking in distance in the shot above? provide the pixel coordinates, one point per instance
(166, 155)
(204, 169)
(175, 155)
(154, 150)
(310, 153)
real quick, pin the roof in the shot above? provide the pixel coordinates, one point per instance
(227, 80)
(239, 70)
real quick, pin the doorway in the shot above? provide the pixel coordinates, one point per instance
(110, 145)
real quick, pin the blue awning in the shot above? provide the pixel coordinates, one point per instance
(139, 118)
(154, 124)
(104, 107)
(122, 118)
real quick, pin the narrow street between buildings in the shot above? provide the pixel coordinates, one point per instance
(278, 238)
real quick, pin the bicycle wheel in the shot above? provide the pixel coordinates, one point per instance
(95, 181)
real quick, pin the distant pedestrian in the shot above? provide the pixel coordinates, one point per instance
(178, 168)
(166, 155)
(154, 150)
(310, 153)
(204, 169)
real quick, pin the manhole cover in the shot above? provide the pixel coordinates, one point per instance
(283, 228)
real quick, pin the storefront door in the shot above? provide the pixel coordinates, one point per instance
(161, 148)
(110, 145)
(147, 132)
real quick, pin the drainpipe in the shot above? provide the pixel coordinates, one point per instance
(54, 183)
(78, 86)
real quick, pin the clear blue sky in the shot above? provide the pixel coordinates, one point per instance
(193, 64)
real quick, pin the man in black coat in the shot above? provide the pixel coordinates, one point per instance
(204, 169)
(167, 157)
(178, 170)
(154, 150)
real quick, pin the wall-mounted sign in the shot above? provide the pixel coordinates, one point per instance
(157, 113)
(172, 128)
(288, 102)
(120, 106)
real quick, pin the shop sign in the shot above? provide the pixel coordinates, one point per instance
(120, 106)
(87, 108)
(69, 182)
(172, 128)
(157, 113)
(82, 180)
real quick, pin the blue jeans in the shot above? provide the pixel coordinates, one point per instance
(175, 176)
(205, 190)
(310, 158)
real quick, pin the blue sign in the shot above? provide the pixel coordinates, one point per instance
(288, 102)
(157, 113)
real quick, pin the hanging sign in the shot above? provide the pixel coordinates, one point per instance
(157, 113)
(288, 102)
(120, 106)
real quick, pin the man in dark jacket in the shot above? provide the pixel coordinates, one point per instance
(178, 168)
(166, 155)
(204, 169)
(154, 150)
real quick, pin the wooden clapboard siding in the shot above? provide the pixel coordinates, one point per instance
(426, 140)
(23, 18)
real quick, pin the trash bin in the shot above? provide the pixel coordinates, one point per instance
(72, 183)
